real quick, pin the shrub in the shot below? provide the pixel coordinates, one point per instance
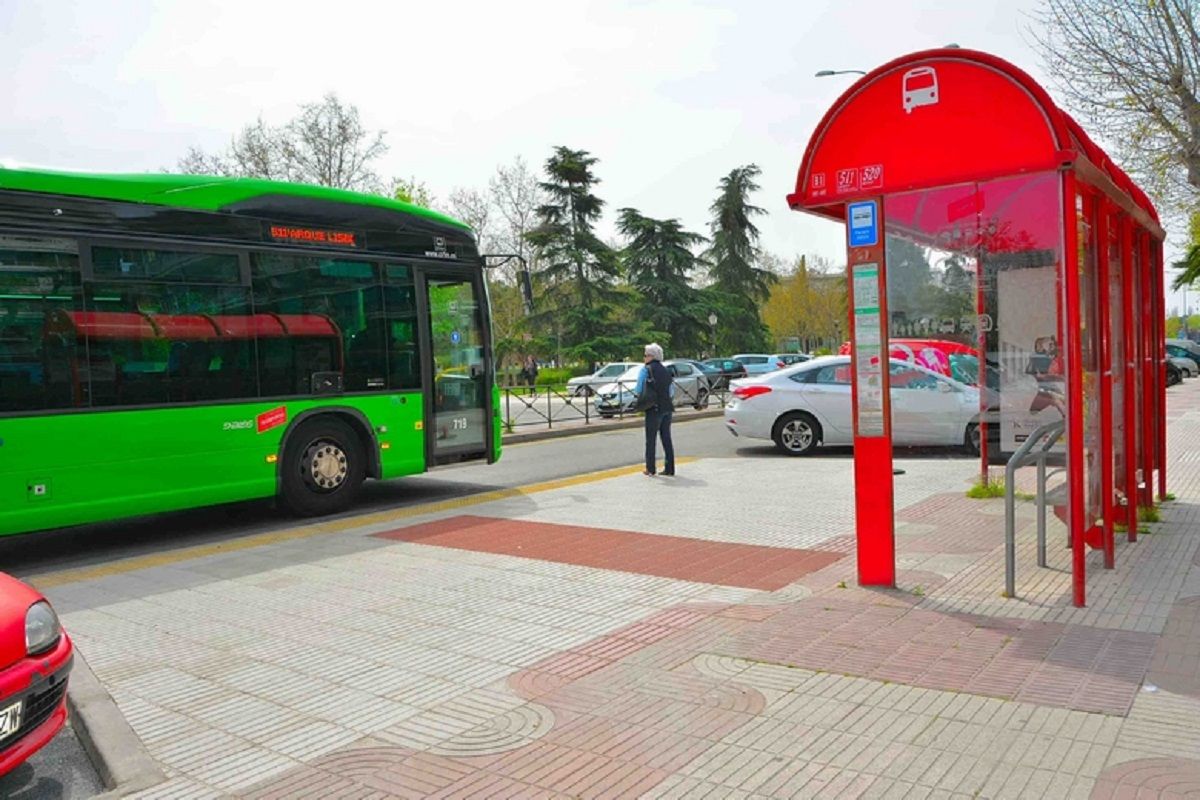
(981, 491)
(554, 376)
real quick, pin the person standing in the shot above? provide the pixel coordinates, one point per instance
(530, 370)
(658, 415)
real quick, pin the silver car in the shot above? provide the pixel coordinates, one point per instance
(586, 385)
(692, 388)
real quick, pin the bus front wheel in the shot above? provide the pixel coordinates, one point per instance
(324, 465)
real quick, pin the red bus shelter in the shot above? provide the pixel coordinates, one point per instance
(979, 212)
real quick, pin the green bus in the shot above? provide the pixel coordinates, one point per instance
(169, 341)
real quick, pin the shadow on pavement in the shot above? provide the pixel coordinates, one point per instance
(88, 545)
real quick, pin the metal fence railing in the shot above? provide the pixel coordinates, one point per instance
(529, 407)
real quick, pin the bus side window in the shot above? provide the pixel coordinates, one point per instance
(152, 330)
(400, 310)
(347, 293)
(39, 277)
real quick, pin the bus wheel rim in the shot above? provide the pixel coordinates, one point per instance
(327, 466)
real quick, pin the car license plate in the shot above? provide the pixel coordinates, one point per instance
(10, 720)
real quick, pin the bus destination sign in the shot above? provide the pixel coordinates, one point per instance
(314, 236)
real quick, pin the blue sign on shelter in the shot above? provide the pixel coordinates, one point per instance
(863, 221)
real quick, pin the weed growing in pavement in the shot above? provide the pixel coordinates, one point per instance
(983, 491)
(1120, 527)
(509, 425)
(841, 584)
(1166, 498)
(1149, 514)
(919, 591)
(1025, 495)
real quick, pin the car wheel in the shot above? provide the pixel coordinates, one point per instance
(701, 399)
(323, 467)
(796, 433)
(971, 439)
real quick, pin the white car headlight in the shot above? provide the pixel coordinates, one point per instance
(41, 628)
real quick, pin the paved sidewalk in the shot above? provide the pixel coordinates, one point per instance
(701, 636)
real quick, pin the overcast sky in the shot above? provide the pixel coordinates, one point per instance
(669, 96)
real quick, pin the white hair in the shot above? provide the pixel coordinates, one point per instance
(654, 350)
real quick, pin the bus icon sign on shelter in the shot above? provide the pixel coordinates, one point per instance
(863, 221)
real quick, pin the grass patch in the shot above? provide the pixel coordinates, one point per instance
(1149, 514)
(1166, 498)
(1120, 527)
(1025, 495)
(841, 584)
(982, 491)
(919, 591)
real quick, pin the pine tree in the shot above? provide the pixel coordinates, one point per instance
(658, 260)
(739, 283)
(576, 269)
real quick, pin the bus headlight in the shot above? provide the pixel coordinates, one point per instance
(41, 628)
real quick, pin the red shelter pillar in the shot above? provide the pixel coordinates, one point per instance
(870, 389)
(1130, 366)
(1105, 218)
(1160, 342)
(1076, 511)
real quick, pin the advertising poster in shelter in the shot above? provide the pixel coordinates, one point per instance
(1032, 380)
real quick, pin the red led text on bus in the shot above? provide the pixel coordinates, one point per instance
(287, 233)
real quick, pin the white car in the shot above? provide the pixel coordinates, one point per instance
(586, 385)
(809, 404)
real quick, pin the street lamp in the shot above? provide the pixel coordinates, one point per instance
(712, 324)
(825, 73)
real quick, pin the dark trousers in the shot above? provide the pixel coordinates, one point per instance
(659, 425)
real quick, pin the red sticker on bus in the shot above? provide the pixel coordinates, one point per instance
(271, 419)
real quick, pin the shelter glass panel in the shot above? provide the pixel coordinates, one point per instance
(974, 294)
(1087, 211)
(1117, 224)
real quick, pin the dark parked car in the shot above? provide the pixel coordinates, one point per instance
(724, 371)
(1174, 374)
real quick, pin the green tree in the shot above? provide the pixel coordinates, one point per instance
(808, 304)
(576, 270)
(658, 261)
(1189, 265)
(739, 282)
(411, 190)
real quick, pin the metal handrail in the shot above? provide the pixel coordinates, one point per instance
(1044, 438)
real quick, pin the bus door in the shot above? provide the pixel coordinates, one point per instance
(458, 410)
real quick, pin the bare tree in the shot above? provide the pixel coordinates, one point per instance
(474, 208)
(517, 194)
(1129, 68)
(328, 145)
(325, 145)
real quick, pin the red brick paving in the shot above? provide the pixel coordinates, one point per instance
(1149, 779)
(629, 710)
(1070, 666)
(721, 563)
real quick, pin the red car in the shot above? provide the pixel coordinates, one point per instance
(35, 659)
(936, 354)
